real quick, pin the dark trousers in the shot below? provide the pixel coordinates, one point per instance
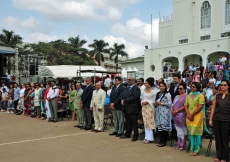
(214, 74)
(201, 76)
(88, 116)
(163, 135)
(131, 124)
(15, 106)
(221, 131)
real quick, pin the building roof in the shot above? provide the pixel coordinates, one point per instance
(7, 50)
(68, 71)
(137, 59)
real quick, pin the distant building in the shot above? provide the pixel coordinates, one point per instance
(198, 31)
(110, 65)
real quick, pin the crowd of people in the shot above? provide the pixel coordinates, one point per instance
(182, 107)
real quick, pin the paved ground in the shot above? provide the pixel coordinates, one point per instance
(23, 139)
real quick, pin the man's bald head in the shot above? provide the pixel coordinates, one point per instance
(131, 81)
(98, 85)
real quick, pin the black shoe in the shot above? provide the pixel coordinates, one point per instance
(50, 120)
(88, 128)
(76, 126)
(124, 136)
(80, 127)
(83, 127)
(113, 133)
(134, 139)
(54, 121)
(119, 135)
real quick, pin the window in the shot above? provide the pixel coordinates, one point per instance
(207, 37)
(183, 41)
(205, 15)
(227, 12)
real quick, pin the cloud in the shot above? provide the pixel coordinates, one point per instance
(137, 31)
(36, 37)
(28, 25)
(62, 10)
(133, 49)
(135, 34)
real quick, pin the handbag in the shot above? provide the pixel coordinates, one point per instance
(107, 100)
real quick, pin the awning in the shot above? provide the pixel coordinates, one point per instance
(6, 51)
(69, 71)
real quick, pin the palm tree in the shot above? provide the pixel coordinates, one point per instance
(99, 47)
(116, 51)
(9, 39)
(77, 47)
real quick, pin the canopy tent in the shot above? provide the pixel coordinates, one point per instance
(124, 73)
(7, 50)
(68, 71)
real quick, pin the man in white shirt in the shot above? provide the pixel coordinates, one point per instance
(52, 98)
(209, 89)
(4, 86)
(107, 82)
(212, 79)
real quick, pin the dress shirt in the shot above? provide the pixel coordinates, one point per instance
(53, 92)
(175, 87)
(208, 93)
(16, 93)
(6, 88)
(107, 82)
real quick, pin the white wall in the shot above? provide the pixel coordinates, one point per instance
(204, 49)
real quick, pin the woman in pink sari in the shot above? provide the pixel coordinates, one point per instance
(179, 116)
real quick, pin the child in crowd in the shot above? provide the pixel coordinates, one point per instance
(10, 105)
(4, 100)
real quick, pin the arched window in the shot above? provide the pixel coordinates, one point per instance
(205, 15)
(227, 12)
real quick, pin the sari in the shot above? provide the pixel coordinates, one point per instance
(227, 75)
(180, 119)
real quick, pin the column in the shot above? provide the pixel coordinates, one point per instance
(16, 66)
(181, 65)
(205, 61)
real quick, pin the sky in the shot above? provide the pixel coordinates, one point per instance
(114, 21)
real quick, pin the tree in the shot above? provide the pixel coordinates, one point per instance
(99, 47)
(9, 39)
(77, 47)
(116, 51)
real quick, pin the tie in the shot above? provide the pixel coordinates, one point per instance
(97, 90)
(175, 88)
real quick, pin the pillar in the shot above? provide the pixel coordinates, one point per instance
(181, 65)
(16, 66)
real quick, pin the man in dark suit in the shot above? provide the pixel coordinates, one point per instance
(131, 102)
(115, 104)
(85, 102)
(173, 90)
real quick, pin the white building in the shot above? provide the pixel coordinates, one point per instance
(109, 64)
(199, 30)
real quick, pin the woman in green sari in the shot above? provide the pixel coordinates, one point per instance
(71, 100)
(195, 117)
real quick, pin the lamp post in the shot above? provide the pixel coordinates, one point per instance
(80, 52)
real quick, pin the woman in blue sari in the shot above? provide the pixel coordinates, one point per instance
(227, 74)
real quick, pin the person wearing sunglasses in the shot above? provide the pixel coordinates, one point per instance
(179, 116)
(195, 117)
(220, 120)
